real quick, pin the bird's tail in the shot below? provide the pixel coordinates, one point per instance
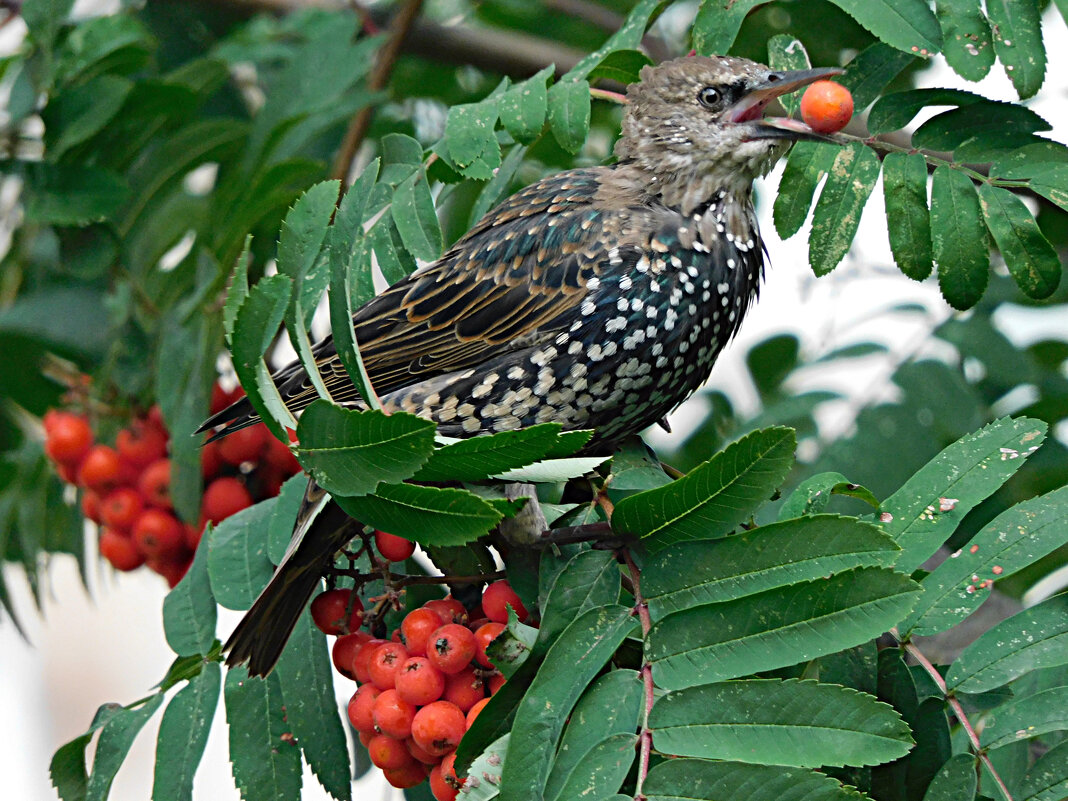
(236, 416)
(321, 529)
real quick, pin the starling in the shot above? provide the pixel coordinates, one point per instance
(597, 298)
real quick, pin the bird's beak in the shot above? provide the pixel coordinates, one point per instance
(751, 107)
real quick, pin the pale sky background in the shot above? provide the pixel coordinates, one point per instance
(108, 646)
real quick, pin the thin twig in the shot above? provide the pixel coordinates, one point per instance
(645, 737)
(604, 94)
(958, 711)
(376, 81)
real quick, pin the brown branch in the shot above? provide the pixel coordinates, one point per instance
(958, 711)
(376, 81)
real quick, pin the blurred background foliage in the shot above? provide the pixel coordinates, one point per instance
(142, 146)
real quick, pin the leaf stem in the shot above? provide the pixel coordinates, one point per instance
(958, 710)
(645, 737)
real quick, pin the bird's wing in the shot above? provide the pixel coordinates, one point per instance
(515, 278)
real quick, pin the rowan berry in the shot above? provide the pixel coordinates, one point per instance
(408, 775)
(155, 484)
(223, 497)
(211, 464)
(362, 660)
(388, 752)
(221, 398)
(495, 682)
(120, 550)
(393, 548)
(68, 437)
(120, 507)
(393, 715)
(438, 727)
(450, 610)
(158, 533)
(100, 469)
(344, 650)
(141, 444)
(448, 771)
(244, 445)
(420, 754)
(91, 505)
(419, 682)
(281, 458)
(465, 689)
(484, 635)
(361, 707)
(172, 567)
(472, 713)
(496, 599)
(385, 663)
(439, 788)
(337, 611)
(451, 648)
(826, 106)
(365, 737)
(416, 627)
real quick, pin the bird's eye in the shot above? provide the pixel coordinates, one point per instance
(708, 97)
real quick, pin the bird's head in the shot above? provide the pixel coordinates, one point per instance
(696, 124)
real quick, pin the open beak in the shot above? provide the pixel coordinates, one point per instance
(751, 107)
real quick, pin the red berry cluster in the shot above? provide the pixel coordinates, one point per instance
(421, 690)
(127, 486)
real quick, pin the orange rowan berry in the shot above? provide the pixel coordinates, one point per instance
(826, 106)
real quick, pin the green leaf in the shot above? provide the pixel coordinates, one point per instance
(687, 779)
(496, 187)
(955, 780)
(67, 768)
(1026, 717)
(237, 293)
(786, 52)
(1033, 639)
(255, 326)
(304, 231)
(79, 112)
(1017, 28)
(908, 25)
(775, 722)
(894, 111)
(589, 579)
(56, 194)
(237, 556)
(908, 221)
(305, 674)
(264, 758)
(867, 75)
(427, 515)
(628, 37)
(479, 458)
(570, 665)
(524, 106)
(471, 139)
(813, 494)
(189, 612)
(183, 734)
(803, 549)
(715, 496)
(850, 180)
(950, 129)
(395, 262)
(621, 66)
(807, 164)
(1048, 778)
(967, 45)
(551, 471)
(958, 238)
(1031, 259)
(1013, 540)
(717, 24)
(350, 275)
(416, 219)
(1051, 181)
(349, 452)
(930, 505)
(569, 113)
(603, 768)
(777, 627)
(487, 769)
(114, 744)
(280, 527)
(608, 709)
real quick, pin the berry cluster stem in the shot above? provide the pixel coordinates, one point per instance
(645, 736)
(958, 711)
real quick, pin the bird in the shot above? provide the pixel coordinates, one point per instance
(597, 297)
